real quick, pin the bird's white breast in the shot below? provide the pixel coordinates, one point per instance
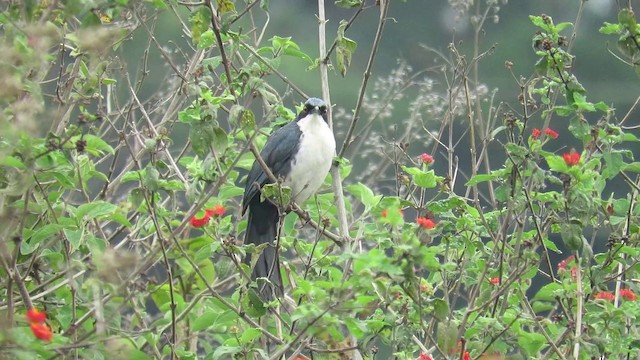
(313, 160)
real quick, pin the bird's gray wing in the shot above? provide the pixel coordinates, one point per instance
(280, 148)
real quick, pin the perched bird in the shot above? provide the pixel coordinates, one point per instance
(300, 153)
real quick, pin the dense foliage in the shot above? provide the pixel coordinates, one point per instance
(120, 190)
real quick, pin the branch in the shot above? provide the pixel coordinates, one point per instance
(384, 8)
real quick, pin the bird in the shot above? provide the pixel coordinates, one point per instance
(300, 154)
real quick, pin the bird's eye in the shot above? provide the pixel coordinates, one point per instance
(323, 109)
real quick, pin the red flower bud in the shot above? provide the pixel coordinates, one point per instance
(41, 331)
(426, 158)
(36, 316)
(572, 158)
(628, 294)
(425, 223)
(551, 133)
(535, 133)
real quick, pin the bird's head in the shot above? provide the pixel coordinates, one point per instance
(314, 106)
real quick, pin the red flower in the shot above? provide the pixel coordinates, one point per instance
(494, 281)
(572, 158)
(628, 294)
(216, 211)
(425, 223)
(426, 158)
(41, 331)
(605, 295)
(36, 316)
(562, 265)
(535, 133)
(466, 356)
(424, 356)
(199, 222)
(551, 133)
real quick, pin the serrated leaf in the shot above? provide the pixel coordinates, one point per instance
(364, 194)
(74, 237)
(426, 179)
(531, 342)
(95, 210)
(32, 242)
(249, 335)
(205, 135)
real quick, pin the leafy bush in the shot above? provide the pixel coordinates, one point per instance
(120, 191)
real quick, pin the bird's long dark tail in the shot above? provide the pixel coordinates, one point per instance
(262, 227)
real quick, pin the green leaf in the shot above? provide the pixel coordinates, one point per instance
(95, 210)
(556, 163)
(348, 3)
(151, 179)
(95, 145)
(33, 240)
(204, 320)
(480, 178)
(74, 237)
(613, 164)
(345, 48)
(425, 179)
(531, 342)
(609, 28)
(633, 167)
(225, 6)
(205, 135)
(207, 39)
(249, 335)
(440, 309)
(364, 194)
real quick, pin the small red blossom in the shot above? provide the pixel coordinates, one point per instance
(36, 316)
(41, 331)
(424, 356)
(605, 295)
(425, 223)
(456, 349)
(562, 265)
(628, 294)
(494, 281)
(466, 356)
(551, 133)
(426, 158)
(535, 133)
(571, 158)
(198, 222)
(216, 211)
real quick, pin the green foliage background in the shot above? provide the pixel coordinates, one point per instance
(123, 119)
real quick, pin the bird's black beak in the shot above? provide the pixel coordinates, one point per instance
(314, 110)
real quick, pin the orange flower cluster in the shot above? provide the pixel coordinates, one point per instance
(37, 320)
(535, 133)
(571, 158)
(494, 281)
(199, 222)
(626, 294)
(425, 223)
